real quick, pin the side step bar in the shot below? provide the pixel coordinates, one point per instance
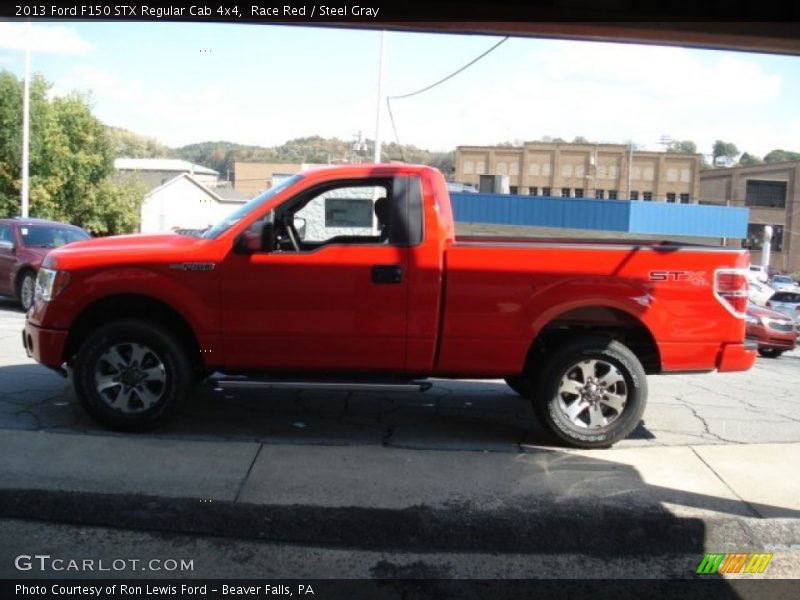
(352, 386)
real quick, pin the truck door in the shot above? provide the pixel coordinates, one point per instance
(333, 293)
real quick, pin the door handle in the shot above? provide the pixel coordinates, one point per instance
(387, 274)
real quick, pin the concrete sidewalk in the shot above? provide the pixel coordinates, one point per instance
(540, 500)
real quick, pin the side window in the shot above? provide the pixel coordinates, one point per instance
(348, 213)
(6, 235)
(344, 211)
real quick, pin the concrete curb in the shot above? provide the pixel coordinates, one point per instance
(549, 526)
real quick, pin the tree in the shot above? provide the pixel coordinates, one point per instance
(70, 161)
(724, 150)
(682, 147)
(781, 156)
(747, 160)
(579, 139)
(128, 144)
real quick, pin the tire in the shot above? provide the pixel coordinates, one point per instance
(26, 289)
(770, 352)
(572, 399)
(521, 385)
(131, 375)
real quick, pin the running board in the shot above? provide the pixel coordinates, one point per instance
(354, 386)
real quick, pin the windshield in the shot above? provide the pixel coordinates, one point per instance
(782, 279)
(246, 209)
(35, 236)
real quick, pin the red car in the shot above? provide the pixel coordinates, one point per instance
(774, 331)
(23, 245)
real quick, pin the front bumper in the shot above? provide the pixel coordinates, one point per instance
(737, 357)
(45, 345)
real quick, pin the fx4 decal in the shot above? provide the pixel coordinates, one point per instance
(693, 277)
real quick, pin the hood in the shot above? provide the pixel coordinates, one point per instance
(123, 249)
(33, 255)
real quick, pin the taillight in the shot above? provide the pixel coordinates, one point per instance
(730, 288)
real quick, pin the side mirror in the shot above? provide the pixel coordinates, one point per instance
(259, 237)
(6, 245)
(300, 227)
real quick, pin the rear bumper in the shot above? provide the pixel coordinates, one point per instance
(737, 357)
(44, 345)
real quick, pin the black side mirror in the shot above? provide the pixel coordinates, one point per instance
(259, 237)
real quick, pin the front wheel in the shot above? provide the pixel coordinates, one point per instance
(131, 375)
(26, 290)
(591, 393)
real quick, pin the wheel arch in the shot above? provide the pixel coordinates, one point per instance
(599, 320)
(136, 306)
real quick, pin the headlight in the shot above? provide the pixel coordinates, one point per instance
(50, 283)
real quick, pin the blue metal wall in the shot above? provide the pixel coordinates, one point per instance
(606, 215)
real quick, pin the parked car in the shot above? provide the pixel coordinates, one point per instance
(758, 273)
(759, 293)
(573, 325)
(787, 303)
(23, 245)
(774, 332)
(783, 283)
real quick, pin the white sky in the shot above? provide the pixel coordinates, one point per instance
(262, 84)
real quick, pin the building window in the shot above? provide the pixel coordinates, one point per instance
(480, 168)
(671, 197)
(545, 191)
(534, 191)
(686, 175)
(579, 192)
(647, 196)
(684, 198)
(634, 195)
(565, 192)
(766, 193)
(469, 167)
(502, 168)
(612, 194)
(600, 194)
(755, 237)
(513, 190)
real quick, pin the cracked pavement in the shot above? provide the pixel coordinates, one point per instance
(758, 406)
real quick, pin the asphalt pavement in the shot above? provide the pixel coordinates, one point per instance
(436, 478)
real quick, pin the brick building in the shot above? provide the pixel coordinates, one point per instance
(610, 171)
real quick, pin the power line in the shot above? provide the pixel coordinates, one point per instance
(431, 86)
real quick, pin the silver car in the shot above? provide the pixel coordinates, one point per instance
(783, 283)
(786, 302)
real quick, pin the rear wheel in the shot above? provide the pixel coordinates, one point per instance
(770, 352)
(131, 375)
(591, 393)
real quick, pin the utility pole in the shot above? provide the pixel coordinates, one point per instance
(630, 167)
(377, 157)
(26, 99)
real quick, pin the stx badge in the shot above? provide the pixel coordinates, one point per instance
(693, 277)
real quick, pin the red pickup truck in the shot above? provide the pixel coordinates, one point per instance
(353, 276)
